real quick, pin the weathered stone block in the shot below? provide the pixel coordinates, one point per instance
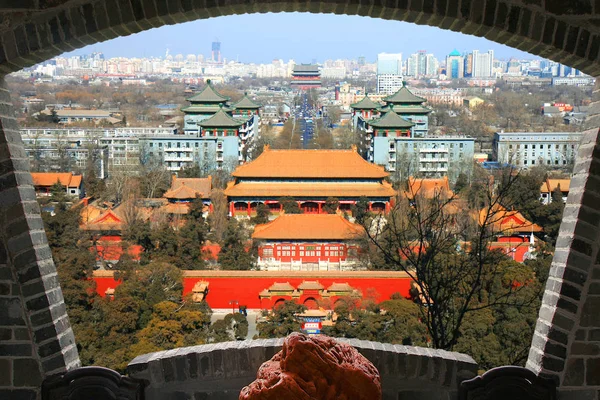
(589, 314)
(574, 372)
(592, 372)
(27, 372)
(11, 312)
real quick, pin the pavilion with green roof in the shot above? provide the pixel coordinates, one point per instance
(246, 107)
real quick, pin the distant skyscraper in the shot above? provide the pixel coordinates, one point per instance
(483, 64)
(389, 73)
(421, 64)
(216, 52)
(389, 64)
(455, 65)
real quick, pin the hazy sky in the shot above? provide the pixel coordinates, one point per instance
(260, 38)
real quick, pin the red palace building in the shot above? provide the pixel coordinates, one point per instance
(308, 242)
(310, 177)
(227, 290)
(306, 76)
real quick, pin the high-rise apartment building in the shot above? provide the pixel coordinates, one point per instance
(483, 64)
(455, 65)
(389, 73)
(422, 64)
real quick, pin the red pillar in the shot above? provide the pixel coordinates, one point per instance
(280, 208)
(248, 209)
(387, 207)
(211, 208)
(231, 209)
(370, 206)
(320, 207)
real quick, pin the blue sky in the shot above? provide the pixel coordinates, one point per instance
(260, 38)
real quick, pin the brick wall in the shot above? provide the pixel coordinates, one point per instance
(566, 343)
(35, 335)
(36, 338)
(219, 371)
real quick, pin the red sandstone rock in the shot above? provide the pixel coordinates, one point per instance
(315, 368)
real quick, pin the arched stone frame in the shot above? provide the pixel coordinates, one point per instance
(39, 340)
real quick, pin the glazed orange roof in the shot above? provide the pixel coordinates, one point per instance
(89, 213)
(310, 285)
(308, 226)
(176, 208)
(340, 287)
(66, 179)
(310, 189)
(201, 185)
(309, 164)
(280, 287)
(504, 221)
(109, 220)
(550, 184)
(183, 192)
(429, 188)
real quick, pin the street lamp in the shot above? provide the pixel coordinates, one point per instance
(233, 303)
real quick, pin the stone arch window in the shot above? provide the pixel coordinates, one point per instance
(563, 31)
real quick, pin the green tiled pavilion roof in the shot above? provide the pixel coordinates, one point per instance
(404, 96)
(365, 104)
(204, 109)
(404, 110)
(208, 95)
(246, 103)
(221, 120)
(390, 120)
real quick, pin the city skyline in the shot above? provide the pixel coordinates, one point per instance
(281, 36)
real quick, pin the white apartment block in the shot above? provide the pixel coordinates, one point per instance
(389, 84)
(530, 149)
(483, 64)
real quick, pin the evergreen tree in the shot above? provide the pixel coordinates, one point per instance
(262, 214)
(282, 321)
(233, 255)
(331, 205)
(290, 205)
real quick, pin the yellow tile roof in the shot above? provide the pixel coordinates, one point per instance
(308, 227)
(310, 189)
(550, 184)
(66, 179)
(310, 164)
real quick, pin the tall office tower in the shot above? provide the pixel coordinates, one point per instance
(389, 73)
(483, 64)
(455, 65)
(216, 52)
(422, 64)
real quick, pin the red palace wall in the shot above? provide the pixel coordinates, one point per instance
(243, 287)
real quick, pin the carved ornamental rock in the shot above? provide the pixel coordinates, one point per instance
(315, 368)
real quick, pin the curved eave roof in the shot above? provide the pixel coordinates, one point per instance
(402, 110)
(391, 120)
(308, 227)
(221, 120)
(246, 103)
(304, 190)
(309, 164)
(365, 104)
(404, 96)
(208, 95)
(197, 108)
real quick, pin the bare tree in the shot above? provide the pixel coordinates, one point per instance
(445, 248)
(218, 218)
